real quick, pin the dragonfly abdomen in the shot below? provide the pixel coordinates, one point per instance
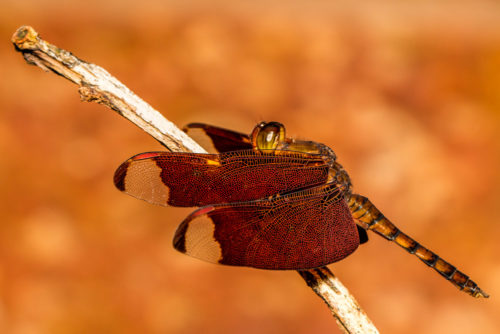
(370, 218)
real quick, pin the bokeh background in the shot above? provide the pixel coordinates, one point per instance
(406, 93)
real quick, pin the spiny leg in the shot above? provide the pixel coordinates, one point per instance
(370, 218)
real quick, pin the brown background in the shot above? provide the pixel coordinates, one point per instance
(406, 94)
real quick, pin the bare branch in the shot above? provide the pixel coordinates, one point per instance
(349, 315)
(97, 85)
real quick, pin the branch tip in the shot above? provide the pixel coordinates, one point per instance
(25, 38)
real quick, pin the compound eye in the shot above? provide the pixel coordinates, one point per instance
(268, 136)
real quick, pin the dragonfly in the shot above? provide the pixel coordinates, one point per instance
(267, 201)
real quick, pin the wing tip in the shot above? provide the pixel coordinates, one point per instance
(179, 241)
(194, 126)
(121, 171)
(183, 233)
(120, 175)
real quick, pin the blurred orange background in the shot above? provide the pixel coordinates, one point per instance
(406, 93)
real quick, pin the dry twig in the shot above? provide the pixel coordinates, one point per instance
(97, 85)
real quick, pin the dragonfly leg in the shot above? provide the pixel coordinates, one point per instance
(370, 218)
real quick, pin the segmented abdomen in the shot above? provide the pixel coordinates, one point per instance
(370, 218)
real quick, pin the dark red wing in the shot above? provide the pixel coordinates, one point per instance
(190, 179)
(306, 229)
(215, 139)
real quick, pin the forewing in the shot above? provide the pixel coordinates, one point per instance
(215, 139)
(190, 179)
(301, 230)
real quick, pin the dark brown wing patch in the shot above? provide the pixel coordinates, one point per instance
(215, 139)
(301, 230)
(189, 179)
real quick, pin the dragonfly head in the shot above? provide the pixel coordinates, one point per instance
(268, 136)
